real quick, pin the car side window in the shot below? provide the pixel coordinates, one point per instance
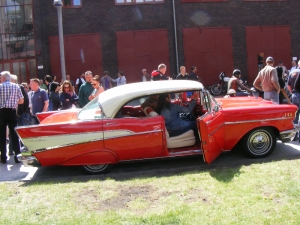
(132, 109)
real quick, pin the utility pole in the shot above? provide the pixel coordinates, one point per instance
(59, 4)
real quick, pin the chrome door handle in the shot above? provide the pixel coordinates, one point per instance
(110, 123)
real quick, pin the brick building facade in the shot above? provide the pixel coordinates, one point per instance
(231, 32)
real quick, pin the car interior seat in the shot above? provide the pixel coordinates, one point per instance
(186, 139)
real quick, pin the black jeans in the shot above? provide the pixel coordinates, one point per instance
(8, 117)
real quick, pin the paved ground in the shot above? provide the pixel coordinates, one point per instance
(17, 172)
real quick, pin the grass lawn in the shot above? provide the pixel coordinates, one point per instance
(267, 193)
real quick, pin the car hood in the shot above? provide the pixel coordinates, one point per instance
(243, 102)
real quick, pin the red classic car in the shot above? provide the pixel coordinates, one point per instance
(115, 127)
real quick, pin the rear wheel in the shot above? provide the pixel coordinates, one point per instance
(97, 169)
(259, 143)
(216, 89)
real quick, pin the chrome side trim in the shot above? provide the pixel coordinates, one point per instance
(126, 133)
(219, 127)
(56, 141)
(199, 151)
(173, 155)
(54, 124)
(62, 146)
(254, 121)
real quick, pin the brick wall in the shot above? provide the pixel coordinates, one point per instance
(105, 18)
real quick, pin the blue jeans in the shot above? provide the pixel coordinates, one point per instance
(272, 96)
(296, 101)
(21, 121)
(50, 106)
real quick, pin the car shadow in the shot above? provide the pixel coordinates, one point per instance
(223, 169)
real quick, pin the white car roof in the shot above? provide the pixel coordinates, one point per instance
(112, 99)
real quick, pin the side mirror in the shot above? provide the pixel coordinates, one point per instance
(216, 108)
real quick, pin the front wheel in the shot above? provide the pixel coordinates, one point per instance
(216, 89)
(97, 169)
(259, 143)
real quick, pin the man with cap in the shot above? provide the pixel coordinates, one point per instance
(267, 81)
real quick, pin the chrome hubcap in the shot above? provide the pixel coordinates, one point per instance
(259, 143)
(94, 168)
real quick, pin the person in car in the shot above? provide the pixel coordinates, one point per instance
(175, 124)
(234, 84)
(149, 106)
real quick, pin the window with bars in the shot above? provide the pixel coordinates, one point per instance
(72, 3)
(135, 2)
(16, 29)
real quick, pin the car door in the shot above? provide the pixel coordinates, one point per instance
(134, 137)
(211, 128)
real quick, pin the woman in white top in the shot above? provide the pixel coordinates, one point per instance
(98, 88)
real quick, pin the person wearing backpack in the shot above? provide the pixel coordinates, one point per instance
(280, 73)
(54, 96)
(294, 87)
(22, 108)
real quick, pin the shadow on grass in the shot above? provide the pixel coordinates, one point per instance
(224, 168)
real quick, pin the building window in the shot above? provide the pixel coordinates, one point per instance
(72, 3)
(16, 30)
(204, 0)
(133, 2)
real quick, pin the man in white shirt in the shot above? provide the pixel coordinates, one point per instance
(294, 66)
(121, 80)
(79, 81)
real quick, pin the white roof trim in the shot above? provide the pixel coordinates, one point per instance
(112, 99)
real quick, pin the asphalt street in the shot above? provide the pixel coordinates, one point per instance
(12, 172)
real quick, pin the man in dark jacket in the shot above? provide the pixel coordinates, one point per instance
(193, 75)
(160, 73)
(86, 89)
(183, 75)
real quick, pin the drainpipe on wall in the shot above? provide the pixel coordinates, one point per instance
(175, 37)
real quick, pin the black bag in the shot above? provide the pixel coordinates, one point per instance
(22, 108)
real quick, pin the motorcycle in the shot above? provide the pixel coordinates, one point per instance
(221, 86)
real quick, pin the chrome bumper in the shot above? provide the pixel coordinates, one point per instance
(30, 161)
(288, 135)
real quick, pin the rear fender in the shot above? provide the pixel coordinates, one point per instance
(93, 158)
(44, 115)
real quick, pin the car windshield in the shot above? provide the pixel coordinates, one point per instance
(91, 111)
(213, 101)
